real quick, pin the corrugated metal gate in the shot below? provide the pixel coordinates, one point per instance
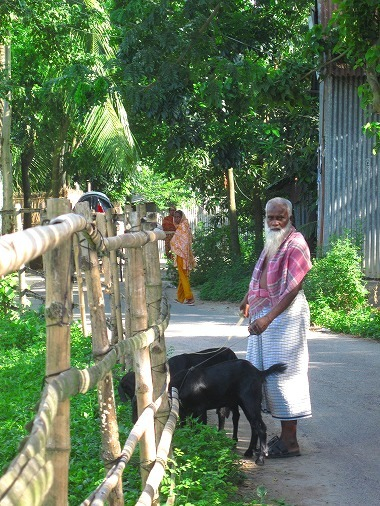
(349, 176)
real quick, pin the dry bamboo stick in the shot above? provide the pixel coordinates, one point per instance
(127, 359)
(22, 247)
(105, 267)
(58, 314)
(32, 486)
(66, 385)
(128, 240)
(99, 495)
(100, 346)
(142, 366)
(158, 347)
(117, 321)
(157, 473)
(78, 269)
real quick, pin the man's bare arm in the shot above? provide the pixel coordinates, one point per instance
(260, 324)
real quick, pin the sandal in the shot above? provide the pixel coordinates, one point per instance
(189, 302)
(278, 450)
(272, 441)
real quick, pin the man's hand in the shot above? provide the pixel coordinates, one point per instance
(259, 326)
(244, 306)
(244, 309)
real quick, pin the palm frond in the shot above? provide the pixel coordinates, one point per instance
(107, 133)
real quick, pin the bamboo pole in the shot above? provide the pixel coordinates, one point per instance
(158, 348)
(21, 273)
(100, 346)
(150, 491)
(102, 228)
(58, 313)
(22, 247)
(78, 269)
(142, 366)
(18, 479)
(127, 359)
(116, 321)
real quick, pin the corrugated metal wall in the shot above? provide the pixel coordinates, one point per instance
(349, 174)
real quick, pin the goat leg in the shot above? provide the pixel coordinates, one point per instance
(262, 433)
(235, 422)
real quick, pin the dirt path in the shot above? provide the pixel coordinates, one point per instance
(340, 464)
(340, 461)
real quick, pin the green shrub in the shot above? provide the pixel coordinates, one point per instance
(336, 292)
(206, 467)
(230, 283)
(8, 294)
(212, 250)
(218, 276)
(337, 279)
(363, 321)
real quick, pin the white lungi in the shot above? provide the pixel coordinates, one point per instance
(286, 395)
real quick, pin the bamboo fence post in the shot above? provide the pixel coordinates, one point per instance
(142, 366)
(117, 320)
(158, 348)
(100, 346)
(21, 273)
(78, 269)
(128, 360)
(100, 219)
(58, 312)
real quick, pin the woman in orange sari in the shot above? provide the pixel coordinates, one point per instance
(169, 227)
(184, 260)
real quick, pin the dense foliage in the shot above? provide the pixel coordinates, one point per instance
(217, 276)
(68, 122)
(215, 86)
(336, 292)
(335, 286)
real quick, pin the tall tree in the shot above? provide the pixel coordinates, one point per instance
(215, 86)
(8, 223)
(67, 110)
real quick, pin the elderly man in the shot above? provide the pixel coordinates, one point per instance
(279, 320)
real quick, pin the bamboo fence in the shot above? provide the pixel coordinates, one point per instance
(75, 242)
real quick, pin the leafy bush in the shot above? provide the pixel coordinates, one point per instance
(230, 283)
(363, 321)
(8, 294)
(206, 467)
(219, 277)
(21, 330)
(212, 250)
(336, 292)
(336, 279)
(22, 371)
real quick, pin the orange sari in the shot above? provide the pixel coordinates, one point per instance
(184, 259)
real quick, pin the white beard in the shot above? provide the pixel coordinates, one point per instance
(274, 239)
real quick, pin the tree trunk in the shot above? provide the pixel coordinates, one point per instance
(8, 221)
(234, 230)
(58, 170)
(257, 215)
(374, 83)
(26, 160)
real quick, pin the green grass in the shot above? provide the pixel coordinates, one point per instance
(206, 467)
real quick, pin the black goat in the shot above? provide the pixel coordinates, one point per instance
(176, 364)
(234, 383)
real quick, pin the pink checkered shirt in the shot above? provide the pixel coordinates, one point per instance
(286, 270)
